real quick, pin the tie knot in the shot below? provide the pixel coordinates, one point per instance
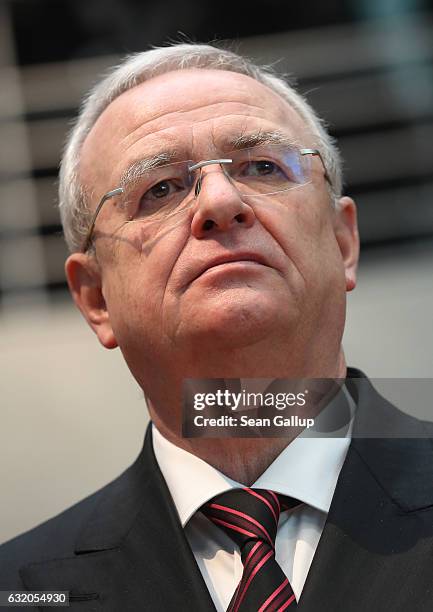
(248, 515)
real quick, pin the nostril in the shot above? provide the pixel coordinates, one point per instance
(208, 224)
(240, 218)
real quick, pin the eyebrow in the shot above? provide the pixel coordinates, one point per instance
(259, 137)
(141, 166)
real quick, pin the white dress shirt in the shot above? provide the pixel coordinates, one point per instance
(307, 469)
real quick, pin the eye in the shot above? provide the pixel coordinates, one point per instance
(162, 193)
(160, 190)
(262, 167)
(162, 196)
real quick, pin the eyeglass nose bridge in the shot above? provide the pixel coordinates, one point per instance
(202, 164)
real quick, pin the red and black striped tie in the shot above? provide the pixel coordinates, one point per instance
(250, 517)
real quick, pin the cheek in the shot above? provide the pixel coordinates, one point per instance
(132, 310)
(301, 223)
(137, 273)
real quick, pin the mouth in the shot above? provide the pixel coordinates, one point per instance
(232, 258)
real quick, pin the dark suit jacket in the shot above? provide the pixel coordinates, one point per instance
(123, 548)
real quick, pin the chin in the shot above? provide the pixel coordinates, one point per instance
(238, 322)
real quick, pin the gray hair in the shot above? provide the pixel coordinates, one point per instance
(140, 67)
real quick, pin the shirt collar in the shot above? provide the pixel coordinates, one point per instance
(307, 469)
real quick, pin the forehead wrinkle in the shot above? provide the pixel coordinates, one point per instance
(210, 106)
(169, 117)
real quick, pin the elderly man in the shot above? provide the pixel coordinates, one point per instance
(201, 201)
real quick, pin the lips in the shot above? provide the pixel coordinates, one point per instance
(231, 257)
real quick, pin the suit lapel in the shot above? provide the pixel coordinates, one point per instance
(132, 554)
(380, 524)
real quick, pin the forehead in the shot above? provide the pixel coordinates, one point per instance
(193, 110)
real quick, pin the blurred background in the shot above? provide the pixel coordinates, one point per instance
(72, 418)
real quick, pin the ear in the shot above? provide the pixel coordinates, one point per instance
(346, 233)
(84, 280)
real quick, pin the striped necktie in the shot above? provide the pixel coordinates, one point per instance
(250, 518)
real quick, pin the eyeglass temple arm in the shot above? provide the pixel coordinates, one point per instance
(318, 153)
(107, 196)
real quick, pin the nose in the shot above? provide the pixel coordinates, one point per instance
(218, 206)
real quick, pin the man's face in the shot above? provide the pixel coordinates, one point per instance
(169, 302)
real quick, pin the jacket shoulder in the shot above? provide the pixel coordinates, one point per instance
(54, 538)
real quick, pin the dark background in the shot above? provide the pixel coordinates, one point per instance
(80, 28)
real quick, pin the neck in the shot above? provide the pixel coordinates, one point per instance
(242, 459)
